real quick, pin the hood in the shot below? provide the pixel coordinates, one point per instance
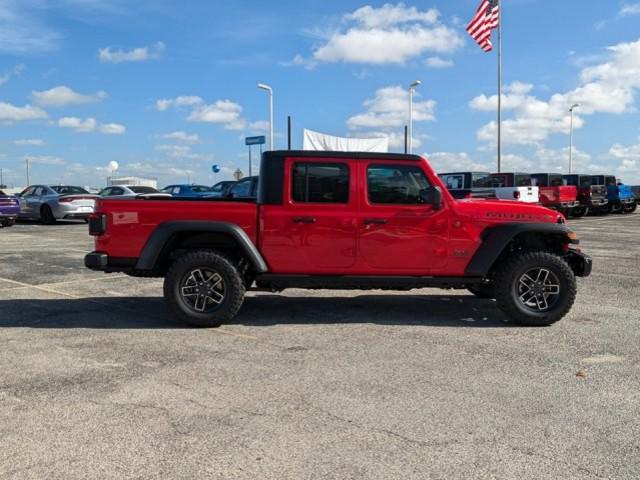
(505, 211)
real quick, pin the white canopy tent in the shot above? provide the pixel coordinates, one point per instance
(321, 142)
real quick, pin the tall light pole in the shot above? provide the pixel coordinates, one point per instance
(27, 159)
(412, 90)
(574, 106)
(263, 86)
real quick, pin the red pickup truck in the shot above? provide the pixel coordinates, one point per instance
(342, 221)
(554, 193)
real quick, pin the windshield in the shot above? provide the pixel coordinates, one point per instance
(69, 190)
(200, 189)
(143, 190)
(220, 187)
(555, 180)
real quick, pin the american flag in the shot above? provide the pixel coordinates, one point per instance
(487, 18)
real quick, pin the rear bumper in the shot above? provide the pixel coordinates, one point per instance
(580, 263)
(62, 211)
(96, 261)
(101, 262)
(599, 202)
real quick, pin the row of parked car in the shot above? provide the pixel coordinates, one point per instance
(573, 195)
(50, 203)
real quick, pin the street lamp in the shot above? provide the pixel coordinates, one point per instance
(263, 86)
(574, 106)
(412, 90)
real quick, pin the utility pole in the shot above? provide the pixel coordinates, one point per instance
(28, 179)
(412, 90)
(573, 107)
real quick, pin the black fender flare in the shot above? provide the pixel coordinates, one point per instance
(163, 233)
(495, 240)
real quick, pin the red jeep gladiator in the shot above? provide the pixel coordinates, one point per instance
(334, 220)
(554, 193)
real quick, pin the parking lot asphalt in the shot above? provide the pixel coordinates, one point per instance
(97, 380)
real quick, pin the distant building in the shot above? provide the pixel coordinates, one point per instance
(132, 181)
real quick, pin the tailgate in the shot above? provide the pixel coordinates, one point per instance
(567, 193)
(528, 194)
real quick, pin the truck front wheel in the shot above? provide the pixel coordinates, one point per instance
(204, 288)
(535, 288)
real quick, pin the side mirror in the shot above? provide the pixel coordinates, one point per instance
(431, 196)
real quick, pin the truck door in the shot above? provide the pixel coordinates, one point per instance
(398, 234)
(314, 231)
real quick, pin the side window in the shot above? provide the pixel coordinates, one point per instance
(320, 183)
(28, 192)
(395, 184)
(117, 191)
(176, 190)
(38, 192)
(106, 192)
(454, 182)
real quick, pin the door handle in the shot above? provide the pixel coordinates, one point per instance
(304, 220)
(375, 221)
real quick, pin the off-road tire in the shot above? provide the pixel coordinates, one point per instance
(507, 281)
(631, 208)
(483, 290)
(46, 215)
(234, 289)
(579, 212)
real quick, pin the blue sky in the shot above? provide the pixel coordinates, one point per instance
(168, 88)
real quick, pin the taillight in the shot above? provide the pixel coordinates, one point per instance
(97, 224)
(66, 200)
(516, 195)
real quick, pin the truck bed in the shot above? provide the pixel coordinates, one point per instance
(131, 222)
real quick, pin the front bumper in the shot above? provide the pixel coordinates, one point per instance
(580, 263)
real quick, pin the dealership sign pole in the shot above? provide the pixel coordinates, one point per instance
(249, 141)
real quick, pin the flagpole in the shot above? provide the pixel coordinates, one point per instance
(500, 87)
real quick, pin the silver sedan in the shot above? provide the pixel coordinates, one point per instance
(49, 203)
(129, 192)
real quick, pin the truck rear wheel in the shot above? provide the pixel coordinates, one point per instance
(535, 288)
(632, 207)
(579, 211)
(204, 289)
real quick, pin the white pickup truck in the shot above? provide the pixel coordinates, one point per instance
(515, 186)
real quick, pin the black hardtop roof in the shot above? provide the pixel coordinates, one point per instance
(342, 155)
(547, 173)
(510, 173)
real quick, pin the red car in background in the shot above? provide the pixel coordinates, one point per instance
(554, 194)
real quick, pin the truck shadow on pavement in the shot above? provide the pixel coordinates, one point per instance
(258, 311)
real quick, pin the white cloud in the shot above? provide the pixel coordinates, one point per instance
(14, 72)
(78, 124)
(11, 113)
(299, 61)
(182, 101)
(139, 54)
(112, 129)
(182, 137)
(90, 124)
(608, 87)
(223, 112)
(32, 142)
(443, 162)
(391, 34)
(183, 152)
(62, 96)
(45, 159)
(259, 126)
(390, 109)
(629, 9)
(437, 62)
